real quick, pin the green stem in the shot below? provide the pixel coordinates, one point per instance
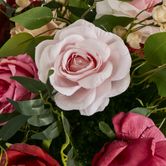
(163, 121)
(88, 10)
(151, 71)
(64, 146)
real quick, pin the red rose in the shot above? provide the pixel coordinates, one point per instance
(27, 155)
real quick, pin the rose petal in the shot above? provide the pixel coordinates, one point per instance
(131, 125)
(78, 101)
(120, 86)
(108, 153)
(96, 79)
(63, 85)
(121, 60)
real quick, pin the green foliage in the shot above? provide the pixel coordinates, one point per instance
(155, 54)
(140, 110)
(34, 18)
(155, 50)
(20, 44)
(51, 132)
(41, 120)
(30, 107)
(105, 128)
(79, 3)
(159, 78)
(31, 84)
(12, 126)
(108, 22)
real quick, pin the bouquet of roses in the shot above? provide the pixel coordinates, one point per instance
(83, 82)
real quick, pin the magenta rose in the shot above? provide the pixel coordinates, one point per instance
(139, 143)
(27, 155)
(89, 64)
(21, 65)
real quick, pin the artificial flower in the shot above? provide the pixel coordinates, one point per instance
(89, 66)
(139, 143)
(21, 65)
(126, 9)
(27, 155)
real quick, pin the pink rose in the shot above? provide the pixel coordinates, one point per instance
(21, 65)
(127, 9)
(89, 64)
(140, 143)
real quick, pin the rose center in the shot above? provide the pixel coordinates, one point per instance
(3, 87)
(77, 62)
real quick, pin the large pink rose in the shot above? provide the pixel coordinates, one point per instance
(128, 9)
(21, 65)
(140, 143)
(89, 64)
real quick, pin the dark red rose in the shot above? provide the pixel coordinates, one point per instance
(11, 2)
(27, 155)
(4, 26)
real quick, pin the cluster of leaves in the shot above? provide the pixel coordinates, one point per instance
(39, 121)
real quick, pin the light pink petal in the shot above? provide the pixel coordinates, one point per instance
(47, 54)
(125, 9)
(120, 86)
(63, 85)
(131, 125)
(96, 48)
(96, 79)
(121, 60)
(101, 100)
(97, 106)
(78, 101)
(80, 27)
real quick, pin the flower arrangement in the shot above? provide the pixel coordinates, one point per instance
(83, 82)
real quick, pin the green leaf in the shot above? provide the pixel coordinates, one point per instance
(7, 116)
(159, 79)
(31, 84)
(53, 5)
(13, 125)
(76, 11)
(79, 3)
(34, 18)
(108, 22)
(51, 132)
(66, 125)
(71, 158)
(36, 40)
(41, 120)
(155, 50)
(140, 110)
(16, 45)
(105, 128)
(30, 107)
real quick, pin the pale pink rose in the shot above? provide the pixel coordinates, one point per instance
(131, 9)
(140, 143)
(21, 65)
(126, 9)
(89, 64)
